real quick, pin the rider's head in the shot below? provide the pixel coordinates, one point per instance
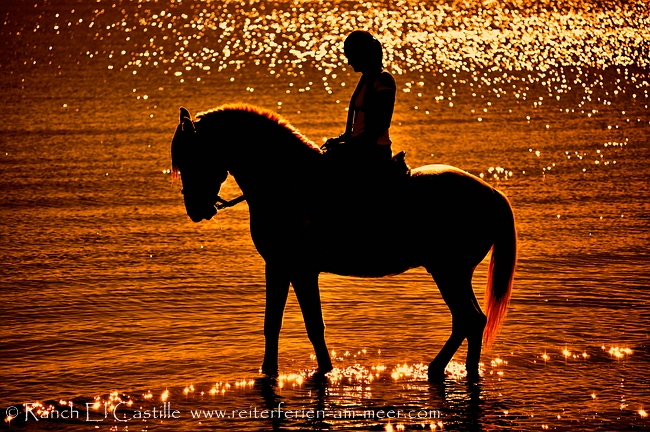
(364, 52)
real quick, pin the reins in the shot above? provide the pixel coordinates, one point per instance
(223, 204)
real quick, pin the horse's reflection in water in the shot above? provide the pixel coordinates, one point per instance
(316, 385)
(459, 406)
(447, 223)
(266, 387)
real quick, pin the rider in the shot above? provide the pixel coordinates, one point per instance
(366, 135)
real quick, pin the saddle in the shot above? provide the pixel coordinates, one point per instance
(350, 158)
(361, 184)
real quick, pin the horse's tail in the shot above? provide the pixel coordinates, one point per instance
(501, 271)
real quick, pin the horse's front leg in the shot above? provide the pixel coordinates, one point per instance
(306, 287)
(277, 290)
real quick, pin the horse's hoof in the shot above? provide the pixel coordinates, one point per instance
(270, 371)
(436, 375)
(473, 377)
(325, 368)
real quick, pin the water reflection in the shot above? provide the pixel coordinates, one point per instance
(185, 38)
(358, 393)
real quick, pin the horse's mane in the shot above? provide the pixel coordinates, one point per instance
(260, 117)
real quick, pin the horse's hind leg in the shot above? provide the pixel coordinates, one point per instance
(475, 340)
(468, 322)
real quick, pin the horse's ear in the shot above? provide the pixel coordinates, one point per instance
(185, 114)
(187, 125)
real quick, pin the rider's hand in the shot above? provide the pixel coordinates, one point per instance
(333, 142)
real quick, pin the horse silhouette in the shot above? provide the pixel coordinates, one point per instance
(438, 217)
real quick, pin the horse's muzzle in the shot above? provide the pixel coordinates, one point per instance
(197, 216)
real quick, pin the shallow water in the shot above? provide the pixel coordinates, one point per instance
(112, 294)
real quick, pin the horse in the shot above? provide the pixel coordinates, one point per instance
(441, 218)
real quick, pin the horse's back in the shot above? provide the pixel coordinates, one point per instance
(447, 178)
(456, 209)
(447, 189)
(434, 169)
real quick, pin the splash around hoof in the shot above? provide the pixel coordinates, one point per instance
(453, 371)
(437, 370)
(325, 367)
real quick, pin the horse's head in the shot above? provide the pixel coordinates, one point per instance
(194, 161)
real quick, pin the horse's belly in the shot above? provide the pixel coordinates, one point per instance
(367, 253)
(364, 267)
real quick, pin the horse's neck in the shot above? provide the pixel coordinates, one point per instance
(268, 169)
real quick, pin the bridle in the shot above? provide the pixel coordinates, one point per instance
(223, 204)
